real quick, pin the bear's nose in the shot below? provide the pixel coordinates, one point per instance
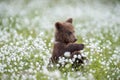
(75, 40)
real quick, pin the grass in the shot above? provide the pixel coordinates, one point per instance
(27, 37)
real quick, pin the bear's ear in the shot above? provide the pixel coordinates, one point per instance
(58, 25)
(69, 20)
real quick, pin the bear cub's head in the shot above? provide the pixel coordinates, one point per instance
(65, 32)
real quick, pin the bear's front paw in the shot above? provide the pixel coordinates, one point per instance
(81, 46)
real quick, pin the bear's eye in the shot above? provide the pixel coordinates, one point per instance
(69, 33)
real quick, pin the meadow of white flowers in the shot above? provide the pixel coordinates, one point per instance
(27, 37)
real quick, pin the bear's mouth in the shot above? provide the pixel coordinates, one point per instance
(75, 40)
(70, 41)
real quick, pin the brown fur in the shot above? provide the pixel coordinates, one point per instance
(65, 41)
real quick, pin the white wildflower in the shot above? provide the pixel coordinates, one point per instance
(67, 54)
(58, 65)
(75, 56)
(70, 60)
(79, 56)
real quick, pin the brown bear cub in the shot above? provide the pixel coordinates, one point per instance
(65, 42)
